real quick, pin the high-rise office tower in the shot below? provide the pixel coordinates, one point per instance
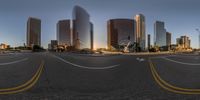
(64, 32)
(140, 36)
(81, 28)
(168, 38)
(33, 32)
(149, 41)
(120, 33)
(92, 35)
(160, 34)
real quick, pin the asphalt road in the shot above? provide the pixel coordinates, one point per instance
(64, 76)
(179, 70)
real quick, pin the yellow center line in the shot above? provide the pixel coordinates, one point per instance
(26, 85)
(168, 86)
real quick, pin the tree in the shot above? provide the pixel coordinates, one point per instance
(37, 48)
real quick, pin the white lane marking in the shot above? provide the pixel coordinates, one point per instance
(85, 67)
(197, 64)
(162, 56)
(13, 62)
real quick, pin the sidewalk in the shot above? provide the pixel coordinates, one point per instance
(149, 53)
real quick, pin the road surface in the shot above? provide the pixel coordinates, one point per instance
(67, 76)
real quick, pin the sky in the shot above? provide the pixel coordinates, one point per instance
(181, 17)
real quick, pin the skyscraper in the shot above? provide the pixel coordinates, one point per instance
(120, 33)
(81, 28)
(149, 41)
(168, 39)
(140, 36)
(64, 32)
(160, 34)
(92, 35)
(33, 32)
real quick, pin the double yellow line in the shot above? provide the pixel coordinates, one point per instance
(162, 83)
(27, 85)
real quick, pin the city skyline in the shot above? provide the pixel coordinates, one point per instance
(99, 17)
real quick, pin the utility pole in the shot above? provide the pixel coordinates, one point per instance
(199, 37)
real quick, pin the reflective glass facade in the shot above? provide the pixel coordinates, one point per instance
(120, 32)
(140, 31)
(92, 35)
(160, 34)
(33, 32)
(64, 32)
(149, 41)
(81, 28)
(168, 38)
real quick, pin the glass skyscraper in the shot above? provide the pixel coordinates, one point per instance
(148, 41)
(92, 35)
(160, 34)
(33, 32)
(64, 32)
(81, 28)
(120, 32)
(140, 36)
(168, 38)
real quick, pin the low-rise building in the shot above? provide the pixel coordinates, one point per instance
(4, 46)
